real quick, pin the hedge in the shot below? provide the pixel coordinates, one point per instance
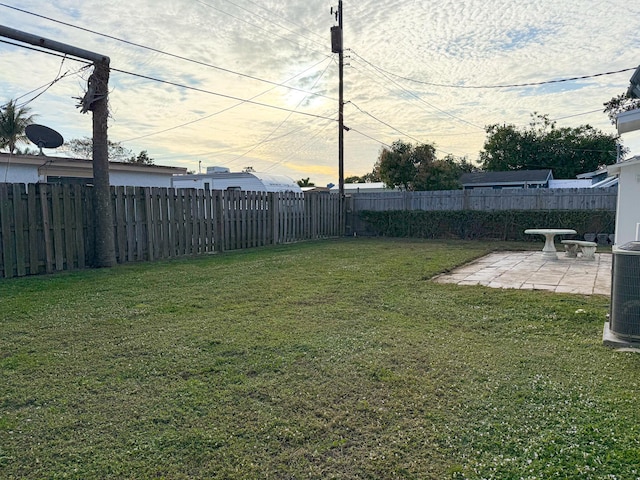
(495, 225)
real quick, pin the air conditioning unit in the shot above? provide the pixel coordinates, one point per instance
(624, 319)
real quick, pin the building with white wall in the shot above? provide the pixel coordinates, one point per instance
(43, 169)
(627, 212)
(219, 178)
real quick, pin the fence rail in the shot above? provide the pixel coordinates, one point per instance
(46, 228)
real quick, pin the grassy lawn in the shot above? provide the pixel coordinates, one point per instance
(335, 359)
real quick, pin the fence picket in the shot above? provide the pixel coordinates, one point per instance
(32, 215)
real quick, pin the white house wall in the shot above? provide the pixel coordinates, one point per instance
(247, 183)
(12, 173)
(139, 179)
(628, 213)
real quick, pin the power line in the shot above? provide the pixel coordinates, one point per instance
(384, 123)
(311, 141)
(187, 87)
(514, 85)
(599, 110)
(219, 111)
(274, 23)
(370, 137)
(251, 24)
(283, 121)
(435, 107)
(209, 92)
(162, 52)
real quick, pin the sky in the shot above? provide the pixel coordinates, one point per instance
(253, 83)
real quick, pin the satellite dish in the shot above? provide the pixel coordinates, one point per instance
(43, 137)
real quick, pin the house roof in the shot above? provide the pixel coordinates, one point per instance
(362, 186)
(595, 173)
(616, 167)
(511, 177)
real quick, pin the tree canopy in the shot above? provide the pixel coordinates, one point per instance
(13, 121)
(370, 177)
(142, 158)
(83, 148)
(304, 182)
(619, 104)
(567, 151)
(416, 167)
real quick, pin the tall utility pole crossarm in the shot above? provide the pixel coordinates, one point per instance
(105, 246)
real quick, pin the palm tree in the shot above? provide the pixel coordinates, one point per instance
(305, 183)
(13, 121)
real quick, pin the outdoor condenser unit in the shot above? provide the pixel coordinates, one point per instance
(624, 320)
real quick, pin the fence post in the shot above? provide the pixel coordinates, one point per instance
(274, 209)
(5, 230)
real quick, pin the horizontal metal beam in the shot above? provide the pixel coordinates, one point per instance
(52, 45)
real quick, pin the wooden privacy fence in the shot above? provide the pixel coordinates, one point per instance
(489, 199)
(47, 228)
(539, 199)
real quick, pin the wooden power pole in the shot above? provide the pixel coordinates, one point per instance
(96, 101)
(337, 47)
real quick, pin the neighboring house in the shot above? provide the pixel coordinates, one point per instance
(508, 179)
(218, 178)
(43, 169)
(373, 187)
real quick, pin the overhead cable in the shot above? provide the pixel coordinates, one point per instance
(162, 52)
(514, 85)
(209, 92)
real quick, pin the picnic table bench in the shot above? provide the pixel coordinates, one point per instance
(549, 249)
(588, 248)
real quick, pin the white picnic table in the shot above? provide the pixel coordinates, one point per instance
(549, 249)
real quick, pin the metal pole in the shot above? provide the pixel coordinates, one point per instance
(51, 44)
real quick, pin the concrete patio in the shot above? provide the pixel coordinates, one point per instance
(529, 270)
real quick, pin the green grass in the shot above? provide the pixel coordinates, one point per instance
(335, 359)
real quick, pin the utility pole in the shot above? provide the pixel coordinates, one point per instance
(337, 47)
(95, 100)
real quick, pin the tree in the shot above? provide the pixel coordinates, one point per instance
(142, 159)
(26, 151)
(398, 166)
(370, 177)
(417, 167)
(13, 121)
(304, 182)
(619, 104)
(567, 151)
(441, 174)
(83, 148)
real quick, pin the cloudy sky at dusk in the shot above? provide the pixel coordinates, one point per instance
(242, 83)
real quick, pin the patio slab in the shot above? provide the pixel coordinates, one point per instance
(531, 271)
